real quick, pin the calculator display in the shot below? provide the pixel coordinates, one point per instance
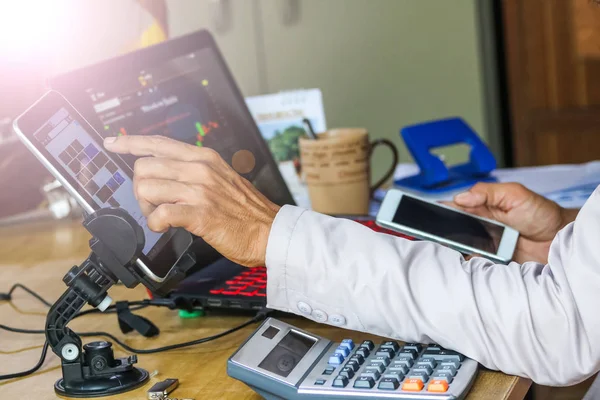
(287, 353)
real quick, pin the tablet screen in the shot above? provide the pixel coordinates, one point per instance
(99, 180)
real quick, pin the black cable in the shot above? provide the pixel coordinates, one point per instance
(8, 296)
(29, 371)
(20, 330)
(259, 316)
(136, 306)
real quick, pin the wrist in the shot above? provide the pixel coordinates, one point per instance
(264, 231)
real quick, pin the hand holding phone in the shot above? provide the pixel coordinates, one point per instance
(442, 224)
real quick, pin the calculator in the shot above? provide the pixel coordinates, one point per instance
(280, 361)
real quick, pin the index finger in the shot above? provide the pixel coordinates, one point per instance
(156, 146)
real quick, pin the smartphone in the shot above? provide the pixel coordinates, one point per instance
(73, 152)
(464, 232)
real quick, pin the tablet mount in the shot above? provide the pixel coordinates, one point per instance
(117, 242)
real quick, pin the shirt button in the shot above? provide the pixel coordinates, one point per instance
(304, 308)
(337, 319)
(319, 315)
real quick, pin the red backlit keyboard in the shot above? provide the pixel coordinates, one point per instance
(253, 282)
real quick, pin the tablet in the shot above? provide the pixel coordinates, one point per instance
(72, 150)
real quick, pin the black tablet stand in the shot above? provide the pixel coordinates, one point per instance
(117, 242)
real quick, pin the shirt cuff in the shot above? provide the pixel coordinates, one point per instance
(278, 246)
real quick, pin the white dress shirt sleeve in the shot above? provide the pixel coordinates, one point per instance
(532, 320)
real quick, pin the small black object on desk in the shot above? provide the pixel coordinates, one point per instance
(92, 370)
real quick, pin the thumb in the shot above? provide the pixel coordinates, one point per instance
(167, 216)
(470, 199)
(489, 195)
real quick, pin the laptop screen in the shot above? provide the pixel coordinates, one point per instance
(181, 89)
(186, 98)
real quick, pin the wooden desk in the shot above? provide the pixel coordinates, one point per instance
(39, 255)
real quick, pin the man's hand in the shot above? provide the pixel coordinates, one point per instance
(536, 218)
(180, 185)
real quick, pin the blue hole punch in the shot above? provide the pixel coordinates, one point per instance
(434, 175)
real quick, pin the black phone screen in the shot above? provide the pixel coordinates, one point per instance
(448, 224)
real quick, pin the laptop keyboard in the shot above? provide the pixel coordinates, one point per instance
(253, 282)
(250, 283)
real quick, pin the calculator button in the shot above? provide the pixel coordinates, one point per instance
(340, 381)
(368, 344)
(319, 315)
(451, 355)
(373, 374)
(347, 372)
(428, 361)
(412, 385)
(320, 382)
(444, 355)
(452, 363)
(437, 386)
(347, 343)
(441, 376)
(408, 353)
(358, 358)
(353, 364)
(381, 360)
(343, 351)
(328, 371)
(390, 345)
(418, 375)
(396, 375)
(304, 308)
(389, 384)
(399, 369)
(406, 361)
(363, 351)
(448, 369)
(423, 369)
(364, 382)
(413, 346)
(375, 367)
(385, 352)
(336, 359)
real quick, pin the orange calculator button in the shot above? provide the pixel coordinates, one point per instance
(438, 386)
(412, 385)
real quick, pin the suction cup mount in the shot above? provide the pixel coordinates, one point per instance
(92, 370)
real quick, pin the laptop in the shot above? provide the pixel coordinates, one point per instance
(182, 88)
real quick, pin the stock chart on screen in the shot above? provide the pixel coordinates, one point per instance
(185, 98)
